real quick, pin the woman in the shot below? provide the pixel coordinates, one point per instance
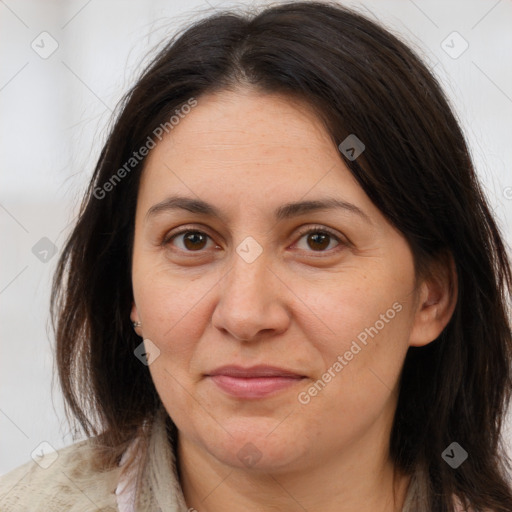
(285, 290)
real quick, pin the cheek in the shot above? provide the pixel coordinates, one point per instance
(174, 319)
(361, 368)
(169, 312)
(175, 311)
(162, 299)
(359, 325)
(353, 304)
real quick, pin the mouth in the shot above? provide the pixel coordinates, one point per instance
(254, 382)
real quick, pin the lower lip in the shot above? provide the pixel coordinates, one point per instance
(256, 387)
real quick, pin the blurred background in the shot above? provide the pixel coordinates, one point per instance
(64, 67)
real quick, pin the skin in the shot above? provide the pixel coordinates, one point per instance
(296, 306)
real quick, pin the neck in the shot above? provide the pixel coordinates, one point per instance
(356, 480)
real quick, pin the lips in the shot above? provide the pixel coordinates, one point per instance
(254, 372)
(254, 382)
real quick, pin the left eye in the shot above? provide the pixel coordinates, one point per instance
(319, 239)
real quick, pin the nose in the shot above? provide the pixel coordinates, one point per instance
(251, 301)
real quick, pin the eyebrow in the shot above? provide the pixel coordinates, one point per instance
(285, 211)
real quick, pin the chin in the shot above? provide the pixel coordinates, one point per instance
(256, 444)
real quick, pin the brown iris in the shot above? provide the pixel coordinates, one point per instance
(318, 240)
(193, 239)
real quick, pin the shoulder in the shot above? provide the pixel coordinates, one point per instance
(62, 481)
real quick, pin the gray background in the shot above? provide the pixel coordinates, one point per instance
(54, 115)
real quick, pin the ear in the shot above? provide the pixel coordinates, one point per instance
(134, 317)
(437, 297)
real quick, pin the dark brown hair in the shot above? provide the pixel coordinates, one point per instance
(417, 170)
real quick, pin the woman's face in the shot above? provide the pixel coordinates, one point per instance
(316, 324)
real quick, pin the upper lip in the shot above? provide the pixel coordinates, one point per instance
(253, 371)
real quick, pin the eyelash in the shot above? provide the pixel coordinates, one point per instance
(316, 229)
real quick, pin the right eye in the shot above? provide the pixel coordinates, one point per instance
(189, 240)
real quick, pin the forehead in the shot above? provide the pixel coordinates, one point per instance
(246, 126)
(249, 147)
